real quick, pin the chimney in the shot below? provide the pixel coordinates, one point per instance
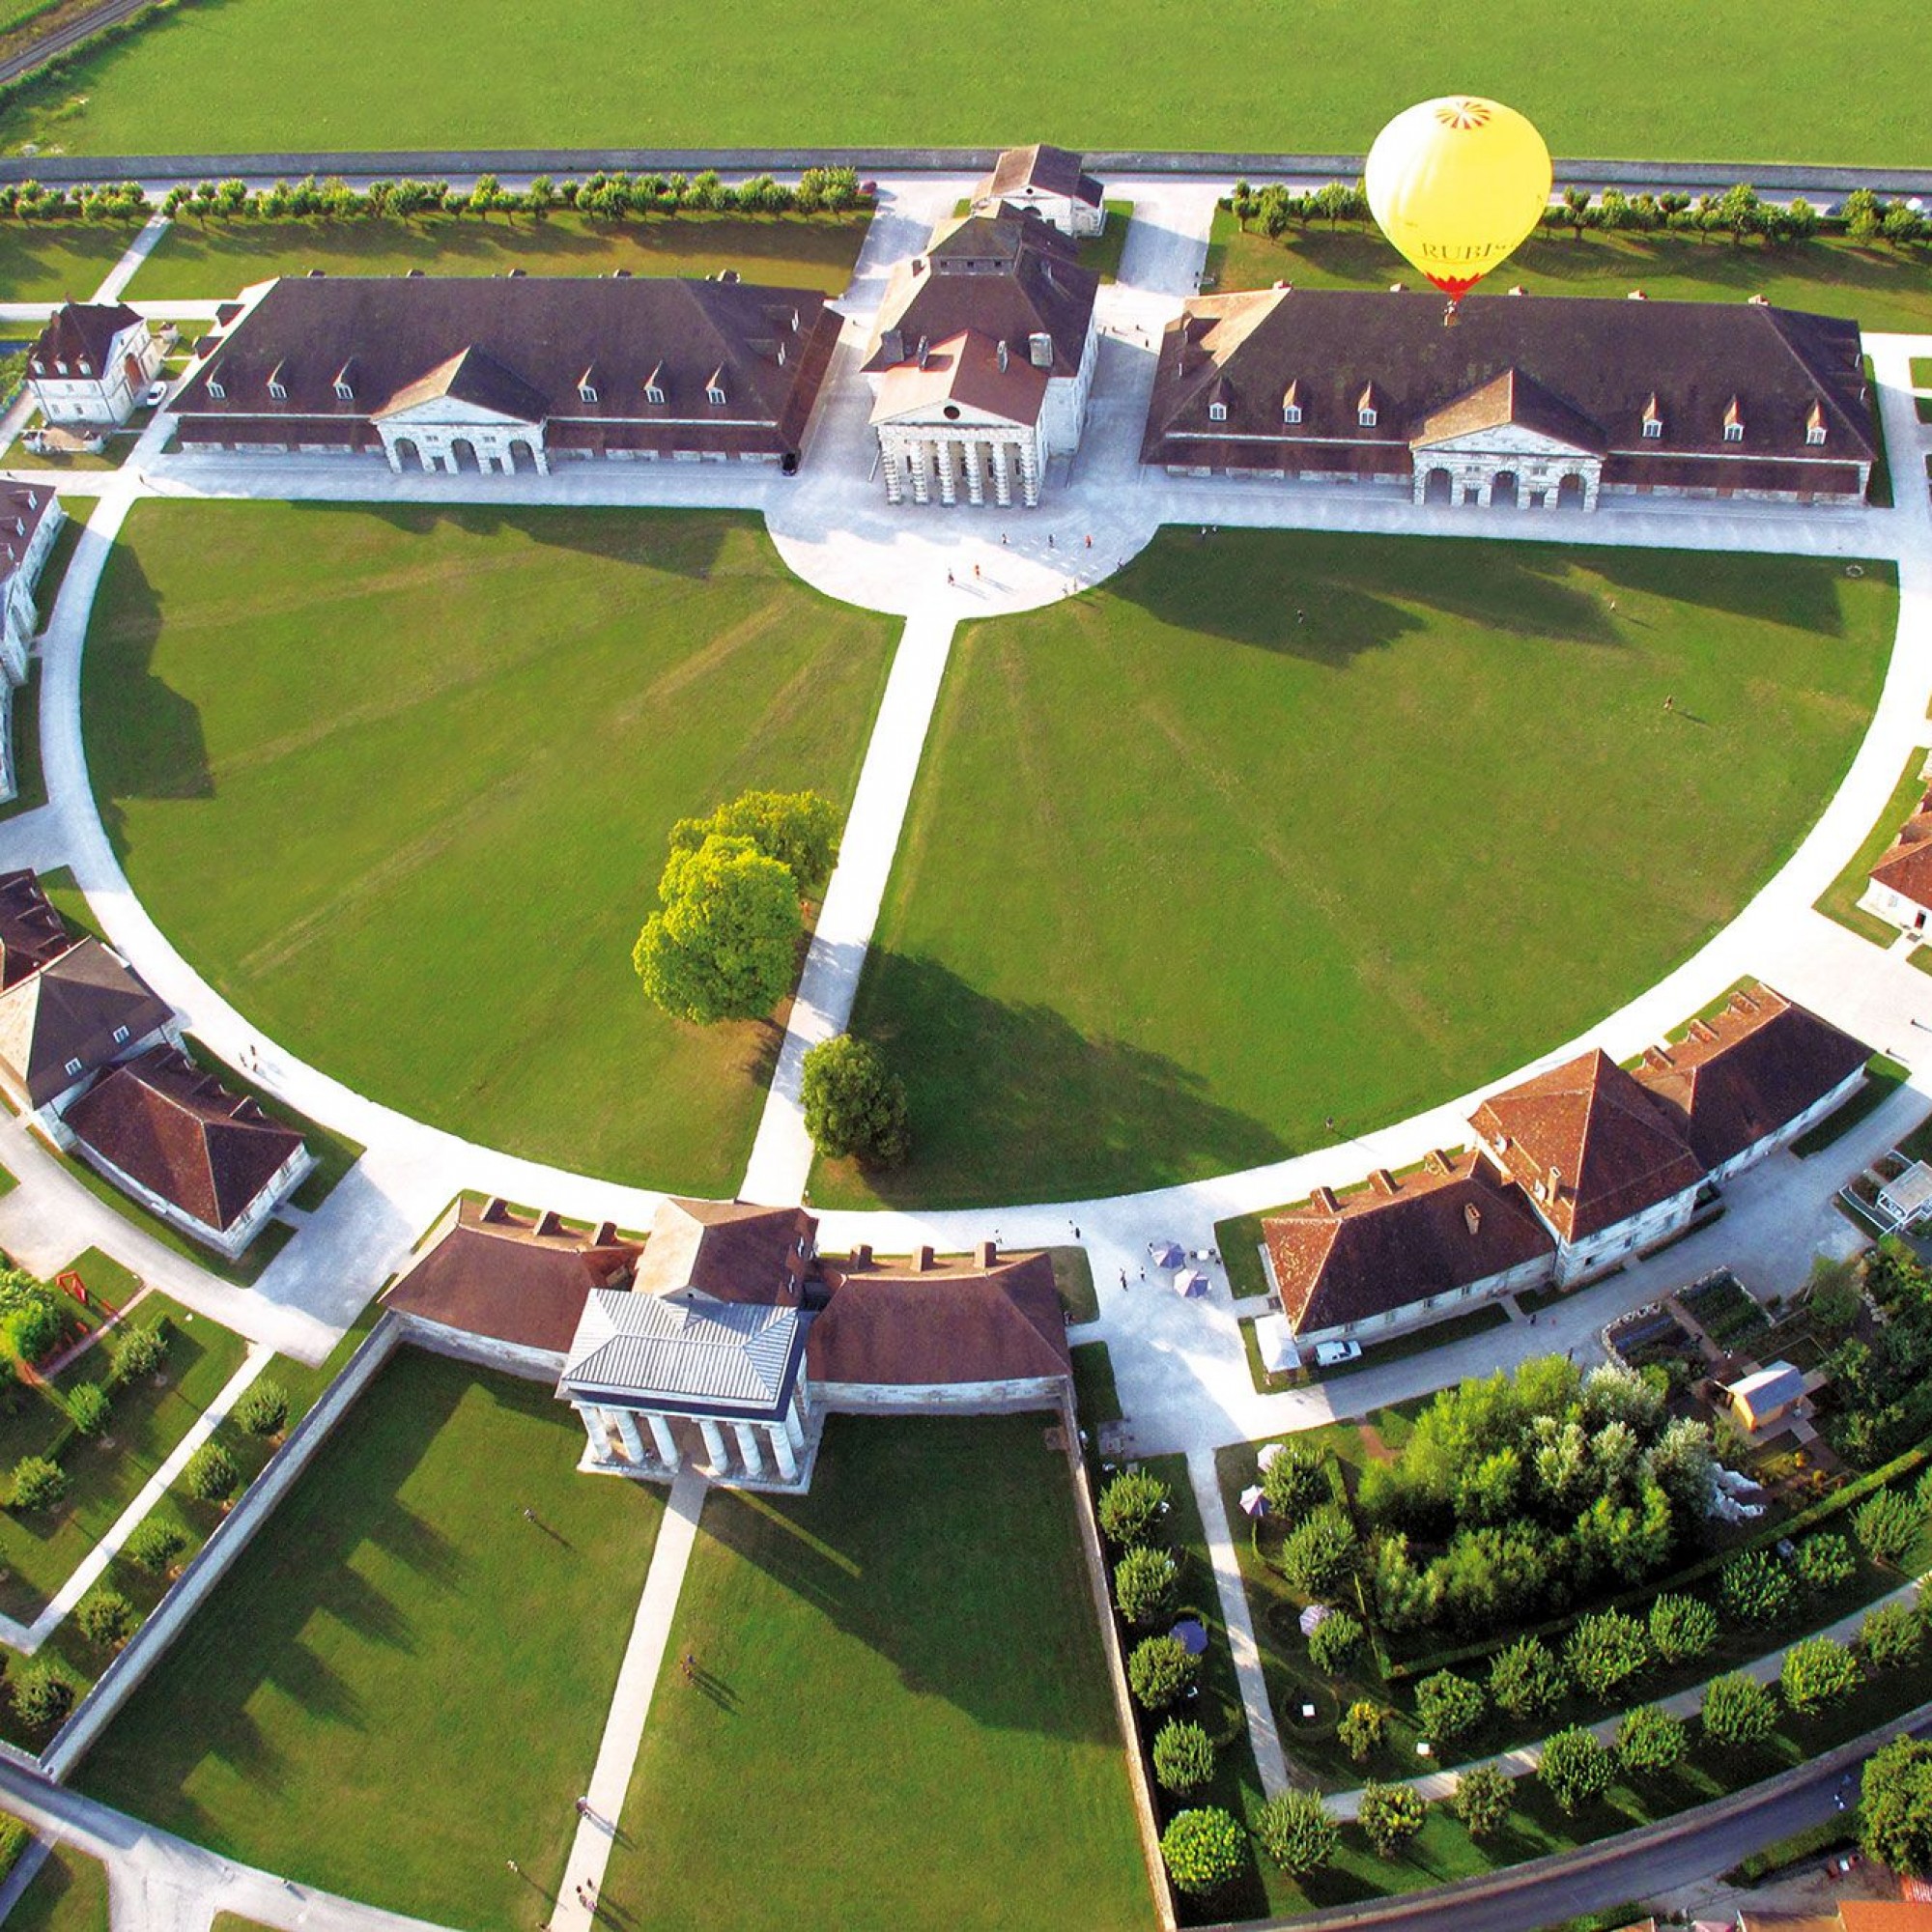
(550, 1222)
(862, 1254)
(1554, 1182)
(1040, 350)
(922, 1262)
(606, 1235)
(892, 345)
(989, 1254)
(1472, 1218)
(1383, 1183)
(1658, 1060)
(495, 1209)
(1323, 1198)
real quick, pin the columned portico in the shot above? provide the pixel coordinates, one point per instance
(452, 446)
(927, 459)
(714, 1444)
(782, 1451)
(667, 1442)
(747, 1447)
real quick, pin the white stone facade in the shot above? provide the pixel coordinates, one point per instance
(627, 1440)
(941, 1398)
(452, 436)
(1895, 907)
(22, 617)
(1611, 1247)
(1506, 467)
(78, 392)
(232, 1241)
(1064, 211)
(1537, 1272)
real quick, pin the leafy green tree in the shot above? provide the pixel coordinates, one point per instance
(1362, 1728)
(1741, 211)
(1297, 1831)
(1738, 1711)
(1295, 1482)
(1576, 1770)
(1888, 1525)
(39, 1484)
(106, 1618)
(264, 1409)
(1650, 1740)
(1891, 1636)
(725, 941)
(1488, 1493)
(87, 1407)
(210, 1475)
(1482, 1801)
(1131, 1506)
(1823, 1561)
(1606, 1651)
(154, 1546)
(1183, 1756)
(1448, 1706)
(1756, 1588)
(1204, 1851)
(1334, 1641)
(1145, 1580)
(1818, 1672)
(1159, 1670)
(1390, 1815)
(42, 1696)
(1896, 1807)
(1681, 1628)
(1526, 1680)
(1864, 213)
(32, 1317)
(798, 829)
(1615, 1393)
(854, 1103)
(1320, 1552)
(1801, 219)
(1406, 1594)
(141, 1352)
(1901, 224)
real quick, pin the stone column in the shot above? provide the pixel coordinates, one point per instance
(895, 475)
(781, 1449)
(922, 488)
(714, 1445)
(667, 1442)
(949, 487)
(793, 1424)
(748, 1446)
(976, 481)
(627, 1429)
(1002, 486)
(595, 1434)
(1030, 475)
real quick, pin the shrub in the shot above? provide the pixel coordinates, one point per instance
(1183, 1756)
(1817, 1671)
(1390, 1815)
(1896, 1807)
(1756, 1588)
(1681, 1628)
(1297, 1831)
(106, 1618)
(42, 1697)
(1650, 1740)
(1575, 1769)
(263, 1408)
(1145, 1580)
(1891, 1636)
(211, 1474)
(1888, 1525)
(1158, 1670)
(1448, 1706)
(87, 1407)
(32, 1316)
(1320, 1552)
(1606, 1651)
(1738, 1711)
(1204, 1850)
(1361, 1729)
(1526, 1680)
(854, 1103)
(39, 1484)
(1130, 1507)
(1333, 1641)
(1825, 1561)
(140, 1351)
(1295, 1482)
(1482, 1799)
(154, 1546)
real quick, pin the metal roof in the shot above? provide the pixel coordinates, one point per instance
(685, 1351)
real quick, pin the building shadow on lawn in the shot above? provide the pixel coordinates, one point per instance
(1012, 1102)
(1799, 593)
(681, 543)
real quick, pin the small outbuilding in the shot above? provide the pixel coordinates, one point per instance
(1766, 1395)
(1906, 1198)
(1274, 1341)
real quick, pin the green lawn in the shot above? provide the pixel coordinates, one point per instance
(1095, 1398)
(1184, 877)
(400, 1643)
(69, 1893)
(899, 1679)
(275, 74)
(400, 784)
(1877, 286)
(58, 260)
(41, 1548)
(1841, 898)
(813, 251)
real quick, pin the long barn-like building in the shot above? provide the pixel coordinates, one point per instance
(507, 373)
(1528, 401)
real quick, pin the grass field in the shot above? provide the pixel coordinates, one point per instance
(274, 74)
(361, 1660)
(812, 251)
(910, 1652)
(1841, 898)
(400, 784)
(69, 1893)
(1877, 286)
(1184, 877)
(62, 259)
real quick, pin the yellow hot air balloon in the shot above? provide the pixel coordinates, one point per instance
(1456, 184)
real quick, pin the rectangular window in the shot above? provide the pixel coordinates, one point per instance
(1366, 417)
(121, 1036)
(715, 396)
(1815, 434)
(653, 394)
(1734, 432)
(1291, 412)
(1653, 427)
(344, 393)
(216, 389)
(278, 392)
(74, 1067)
(1217, 412)
(585, 393)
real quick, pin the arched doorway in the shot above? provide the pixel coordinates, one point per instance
(522, 458)
(407, 455)
(1502, 490)
(1439, 487)
(1570, 492)
(463, 454)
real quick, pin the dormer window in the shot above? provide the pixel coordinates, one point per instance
(278, 391)
(216, 389)
(73, 1068)
(1367, 413)
(1652, 419)
(714, 390)
(1291, 403)
(121, 1036)
(586, 390)
(60, 365)
(1734, 421)
(654, 386)
(1217, 412)
(344, 383)
(1814, 425)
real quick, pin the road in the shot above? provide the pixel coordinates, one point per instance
(69, 35)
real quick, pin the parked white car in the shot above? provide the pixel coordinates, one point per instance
(1328, 1354)
(157, 394)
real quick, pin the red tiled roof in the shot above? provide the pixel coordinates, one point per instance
(81, 332)
(1045, 169)
(1613, 1150)
(72, 1010)
(1750, 1072)
(998, 1323)
(730, 1250)
(1907, 867)
(31, 931)
(492, 1273)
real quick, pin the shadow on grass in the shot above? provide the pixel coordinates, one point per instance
(1008, 1097)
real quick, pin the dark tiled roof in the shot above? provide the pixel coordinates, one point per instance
(520, 341)
(963, 369)
(1596, 359)
(22, 508)
(974, 1325)
(182, 1135)
(79, 332)
(1045, 169)
(1512, 398)
(994, 239)
(1906, 867)
(728, 1250)
(1612, 1148)
(489, 1272)
(31, 931)
(1448, 1227)
(71, 1009)
(1750, 1072)
(472, 377)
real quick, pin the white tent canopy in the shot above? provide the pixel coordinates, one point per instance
(1275, 1340)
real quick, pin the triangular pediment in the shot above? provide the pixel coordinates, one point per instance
(953, 415)
(439, 411)
(1504, 440)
